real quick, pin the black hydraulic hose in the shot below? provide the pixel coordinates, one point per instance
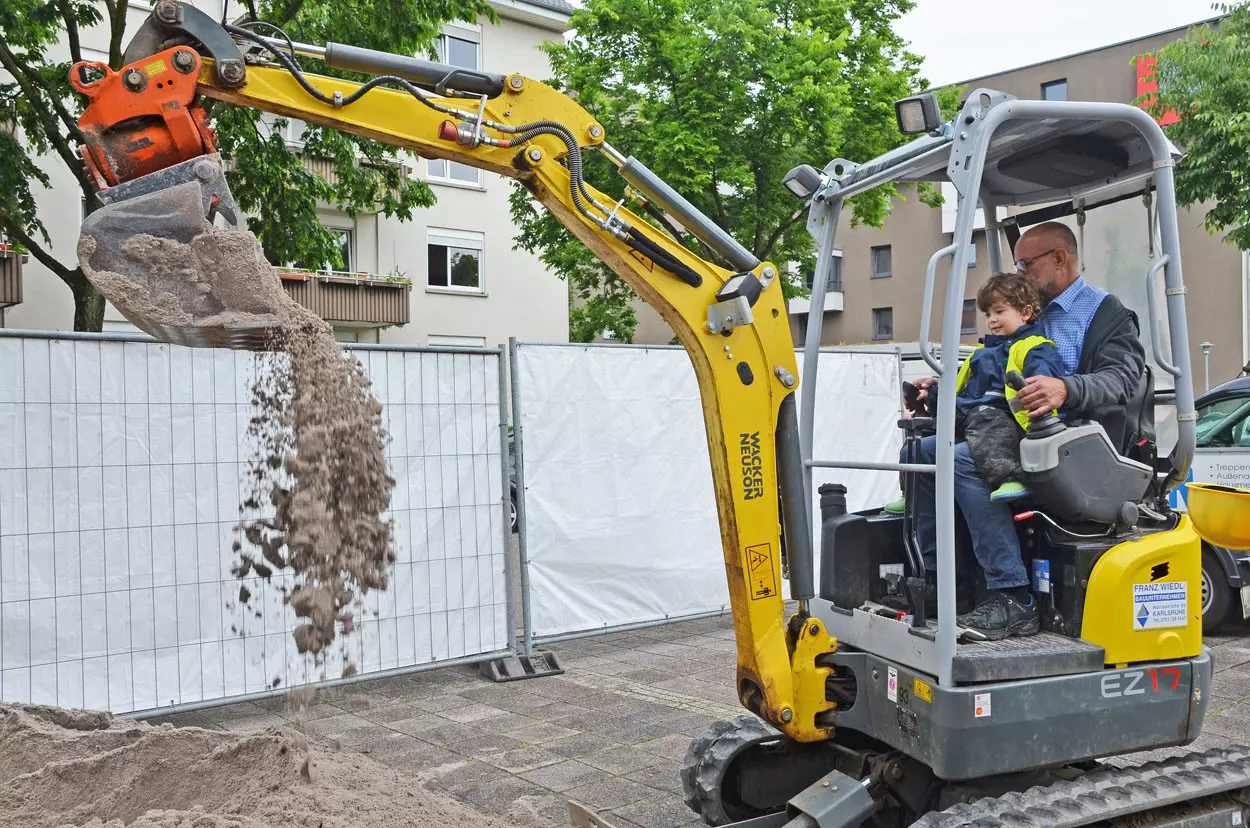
(576, 176)
(272, 27)
(662, 257)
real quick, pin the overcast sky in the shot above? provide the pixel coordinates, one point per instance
(965, 39)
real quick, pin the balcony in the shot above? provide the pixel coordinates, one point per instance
(833, 290)
(10, 276)
(358, 299)
(323, 168)
(833, 302)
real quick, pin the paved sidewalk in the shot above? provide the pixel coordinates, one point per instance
(610, 733)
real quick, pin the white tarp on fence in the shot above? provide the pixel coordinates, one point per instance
(120, 468)
(621, 524)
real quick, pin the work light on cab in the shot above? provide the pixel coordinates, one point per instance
(918, 114)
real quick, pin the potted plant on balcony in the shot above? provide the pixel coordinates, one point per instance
(395, 278)
(293, 274)
(10, 251)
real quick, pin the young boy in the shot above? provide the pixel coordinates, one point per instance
(983, 415)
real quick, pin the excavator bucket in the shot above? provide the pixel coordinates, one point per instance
(154, 251)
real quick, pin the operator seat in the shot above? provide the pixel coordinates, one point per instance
(1079, 474)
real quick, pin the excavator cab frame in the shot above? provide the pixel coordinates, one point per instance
(1000, 152)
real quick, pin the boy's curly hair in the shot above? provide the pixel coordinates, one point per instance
(1014, 289)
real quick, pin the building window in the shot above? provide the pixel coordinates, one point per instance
(347, 247)
(1056, 90)
(345, 237)
(882, 262)
(459, 49)
(972, 254)
(883, 323)
(835, 275)
(455, 260)
(969, 323)
(453, 172)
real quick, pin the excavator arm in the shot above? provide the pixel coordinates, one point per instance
(145, 132)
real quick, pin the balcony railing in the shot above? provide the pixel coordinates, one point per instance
(324, 168)
(363, 299)
(10, 276)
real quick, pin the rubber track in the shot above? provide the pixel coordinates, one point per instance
(1105, 794)
(710, 755)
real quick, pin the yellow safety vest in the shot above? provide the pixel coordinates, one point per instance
(1015, 362)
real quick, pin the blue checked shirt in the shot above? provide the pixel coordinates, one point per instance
(1067, 318)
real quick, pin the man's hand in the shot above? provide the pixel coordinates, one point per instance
(1041, 395)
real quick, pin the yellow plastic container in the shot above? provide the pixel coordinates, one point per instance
(1221, 514)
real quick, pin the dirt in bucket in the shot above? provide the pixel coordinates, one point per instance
(79, 769)
(318, 485)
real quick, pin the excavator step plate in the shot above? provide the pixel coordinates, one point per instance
(1016, 659)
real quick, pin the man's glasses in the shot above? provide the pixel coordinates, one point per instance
(1022, 265)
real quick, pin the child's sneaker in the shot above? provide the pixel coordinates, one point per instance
(1011, 490)
(897, 507)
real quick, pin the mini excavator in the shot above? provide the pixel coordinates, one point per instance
(857, 716)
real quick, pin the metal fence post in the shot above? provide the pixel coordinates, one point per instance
(898, 366)
(509, 574)
(525, 664)
(518, 439)
(1206, 365)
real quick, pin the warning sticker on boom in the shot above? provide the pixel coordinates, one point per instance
(1160, 605)
(647, 263)
(763, 582)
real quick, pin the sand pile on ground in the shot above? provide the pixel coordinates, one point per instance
(61, 768)
(318, 484)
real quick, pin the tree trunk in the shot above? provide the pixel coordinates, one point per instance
(88, 303)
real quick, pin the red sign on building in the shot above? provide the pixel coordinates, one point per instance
(1147, 85)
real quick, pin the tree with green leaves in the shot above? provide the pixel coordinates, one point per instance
(269, 182)
(1205, 81)
(721, 98)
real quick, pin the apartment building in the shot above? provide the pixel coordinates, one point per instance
(468, 285)
(875, 289)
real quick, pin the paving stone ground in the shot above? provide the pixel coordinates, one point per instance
(609, 733)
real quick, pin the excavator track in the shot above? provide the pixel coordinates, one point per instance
(710, 756)
(1139, 794)
(779, 767)
(1190, 790)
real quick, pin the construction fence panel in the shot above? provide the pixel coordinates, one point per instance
(122, 466)
(620, 523)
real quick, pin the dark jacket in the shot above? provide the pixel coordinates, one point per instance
(1112, 384)
(987, 374)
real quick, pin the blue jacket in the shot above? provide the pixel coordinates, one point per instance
(984, 374)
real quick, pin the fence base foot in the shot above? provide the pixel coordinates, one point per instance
(515, 668)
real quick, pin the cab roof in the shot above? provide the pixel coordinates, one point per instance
(1035, 160)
